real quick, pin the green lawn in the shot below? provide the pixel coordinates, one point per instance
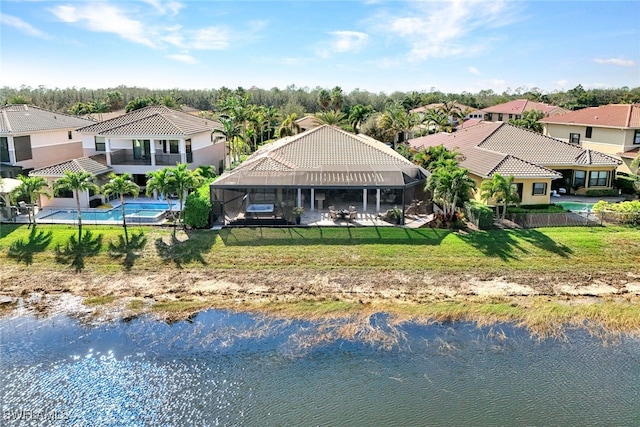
(548, 250)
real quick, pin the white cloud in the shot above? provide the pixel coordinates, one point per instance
(445, 29)
(343, 42)
(211, 38)
(164, 7)
(615, 61)
(183, 57)
(561, 83)
(19, 24)
(473, 70)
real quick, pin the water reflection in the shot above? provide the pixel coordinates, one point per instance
(236, 369)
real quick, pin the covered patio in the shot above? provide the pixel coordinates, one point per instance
(306, 175)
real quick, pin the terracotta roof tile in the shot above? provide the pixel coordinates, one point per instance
(84, 164)
(519, 106)
(612, 115)
(21, 118)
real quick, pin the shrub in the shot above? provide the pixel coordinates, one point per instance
(625, 212)
(602, 192)
(197, 208)
(628, 184)
(480, 214)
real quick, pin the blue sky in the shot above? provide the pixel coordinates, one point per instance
(377, 46)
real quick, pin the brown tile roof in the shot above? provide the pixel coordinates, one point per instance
(20, 118)
(153, 120)
(83, 164)
(630, 154)
(324, 155)
(612, 115)
(519, 106)
(491, 147)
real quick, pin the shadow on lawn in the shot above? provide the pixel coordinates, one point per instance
(258, 236)
(129, 252)
(506, 244)
(75, 251)
(23, 251)
(183, 252)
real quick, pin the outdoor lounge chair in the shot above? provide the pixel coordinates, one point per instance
(23, 208)
(333, 214)
(352, 215)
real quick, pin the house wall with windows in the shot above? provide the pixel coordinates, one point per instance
(534, 191)
(607, 140)
(37, 149)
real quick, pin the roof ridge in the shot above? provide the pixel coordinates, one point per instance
(628, 122)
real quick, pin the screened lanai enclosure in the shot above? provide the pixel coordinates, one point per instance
(321, 171)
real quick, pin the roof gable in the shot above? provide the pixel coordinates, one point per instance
(152, 120)
(612, 115)
(20, 118)
(83, 164)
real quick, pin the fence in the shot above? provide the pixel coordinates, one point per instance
(554, 219)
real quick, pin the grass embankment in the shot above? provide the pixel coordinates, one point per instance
(539, 278)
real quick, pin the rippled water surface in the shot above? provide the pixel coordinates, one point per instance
(235, 369)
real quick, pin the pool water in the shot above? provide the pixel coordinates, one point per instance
(575, 206)
(142, 212)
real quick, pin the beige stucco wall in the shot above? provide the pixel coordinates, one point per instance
(50, 147)
(528, 198)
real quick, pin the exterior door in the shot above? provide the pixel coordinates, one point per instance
(141, 149)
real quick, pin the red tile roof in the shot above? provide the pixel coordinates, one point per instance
(631, 154)
(518, 106)
(612, 115)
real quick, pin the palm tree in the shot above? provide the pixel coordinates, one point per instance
(337, 98)
(121, 185)
(324, 99)
(183, 181)
(333, 118)
(451, 185)
(76, 182)
(289, 127)
(30, 188)
(160, 182)
(436, 156)
(230, 132)
(502, 190)
(359, 114)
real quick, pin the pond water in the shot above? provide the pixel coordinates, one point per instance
(223, 368)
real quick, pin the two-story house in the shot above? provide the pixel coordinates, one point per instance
(153, 138)
(514, 110)
(32, 137)
(613, 129)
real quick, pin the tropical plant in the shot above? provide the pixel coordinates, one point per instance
(451, 185)
(160, 182)
(197, 208)
(30, 188)
(530, 120)
(231, 132)
(358, 114)
(333, 118)
(76, 182)
(324, 99)
(500, 189)
(183, 181)
(289, 126)
(436, 156)
(121, 185)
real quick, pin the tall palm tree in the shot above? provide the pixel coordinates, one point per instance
(333, 118)
(358, 114)
(451, 185)
(121, 185)
(289, 127)
(500, 189)
(76, 182)
(230, 132)
(324, 99)
(160, 182)
(183, 181)
(30, 188)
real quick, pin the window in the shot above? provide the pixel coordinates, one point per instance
(588, 132)
(4, 149)
(539, 188)
(598, 178)
(187, 144)
(100, 143)
(510, 116)
(22, 145)
(579, 178)
(499, 117)
(636, 137)
(489, 117)
(69, 134)
(574, 138)
(64, 194)
(173, 146)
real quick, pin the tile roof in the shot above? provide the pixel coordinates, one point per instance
(519, 106)
(83, 164)
(630, 154)
(612, 115)
(153, 120)
(324, 155)
(491, 147)
(20, 118)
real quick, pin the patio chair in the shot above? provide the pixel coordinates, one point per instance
(333, 214)
(352, 215)
(23, 208)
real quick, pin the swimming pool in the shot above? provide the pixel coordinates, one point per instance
(575, 206)
(134, 212)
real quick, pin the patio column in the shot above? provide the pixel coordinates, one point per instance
(107, 150)
(364, 200)
(299, 197)
(312, 202)
(182, 148)
(377, 200)
(12, 153)
(152, 146)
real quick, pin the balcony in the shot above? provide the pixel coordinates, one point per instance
(163, 159)
(126, 157)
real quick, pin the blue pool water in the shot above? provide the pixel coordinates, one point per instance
(575, 206)
(144, 212)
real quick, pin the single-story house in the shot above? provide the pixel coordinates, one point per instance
(315, 169)
(88, 199)
(540, 165)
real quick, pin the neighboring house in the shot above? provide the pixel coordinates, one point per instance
(538, 163)
(514, 109)
(308, 122)
(315, 169)
(32, 137)
(67, 199)
(152, 138)
(612, 129)
(469, 112)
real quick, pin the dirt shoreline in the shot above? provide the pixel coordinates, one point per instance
(257, 290)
